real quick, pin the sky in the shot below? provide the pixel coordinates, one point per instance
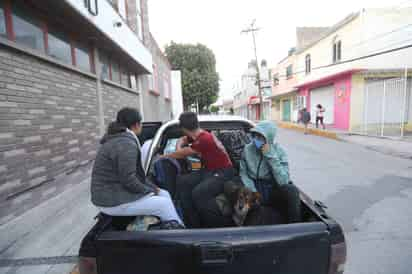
(218, 25)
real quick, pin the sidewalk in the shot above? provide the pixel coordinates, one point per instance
(398, 148)
(54, 228)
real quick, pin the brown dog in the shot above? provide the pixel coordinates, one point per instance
(243, 201)
(247, 208)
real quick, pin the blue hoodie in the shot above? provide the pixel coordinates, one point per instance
(274, 162)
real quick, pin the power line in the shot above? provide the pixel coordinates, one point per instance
(352, 60)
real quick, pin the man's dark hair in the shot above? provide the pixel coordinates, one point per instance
(128, 117)
(188, 120)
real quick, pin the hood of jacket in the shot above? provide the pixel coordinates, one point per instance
(267, 129)
(116, 130)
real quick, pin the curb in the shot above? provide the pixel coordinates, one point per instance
(312, 131)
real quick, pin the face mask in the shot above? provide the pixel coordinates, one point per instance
(258, 143)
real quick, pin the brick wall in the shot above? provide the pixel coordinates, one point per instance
(115, 98)
(48, 127)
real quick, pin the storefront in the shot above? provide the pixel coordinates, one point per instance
(334, 94)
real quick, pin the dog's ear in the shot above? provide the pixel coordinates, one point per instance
(257, 198)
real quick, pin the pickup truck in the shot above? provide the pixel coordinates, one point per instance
(314, 246)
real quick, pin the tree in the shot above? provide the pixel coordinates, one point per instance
(200, 81)
(214, 109)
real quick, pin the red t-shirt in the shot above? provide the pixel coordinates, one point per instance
(213, 153)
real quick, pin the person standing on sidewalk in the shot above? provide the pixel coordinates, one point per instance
(119, 185)
(320, 110)
(305, 118)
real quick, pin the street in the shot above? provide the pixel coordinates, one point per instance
(368, 192)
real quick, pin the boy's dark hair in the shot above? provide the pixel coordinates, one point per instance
(128, 117)
(319, 106)
(188, 120)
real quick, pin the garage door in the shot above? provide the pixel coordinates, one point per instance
(326, 97)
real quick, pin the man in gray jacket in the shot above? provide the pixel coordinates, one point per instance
(119, 186)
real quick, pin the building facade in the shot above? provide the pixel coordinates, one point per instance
(359, 70)
(286, 101)
(347, 68)
(63, 77)
(246, 102)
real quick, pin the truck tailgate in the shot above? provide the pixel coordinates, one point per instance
(284, 249)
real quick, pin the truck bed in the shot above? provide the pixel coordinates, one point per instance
(295, 248)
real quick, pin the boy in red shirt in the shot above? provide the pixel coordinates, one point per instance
(197, 191)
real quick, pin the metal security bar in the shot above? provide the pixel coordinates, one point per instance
(388, 107)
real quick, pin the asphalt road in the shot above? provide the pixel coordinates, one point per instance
(367, 192)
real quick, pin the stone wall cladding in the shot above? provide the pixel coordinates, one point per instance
(48, 125)
(116, 98)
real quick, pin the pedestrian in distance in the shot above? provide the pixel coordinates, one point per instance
(305, 118)
(320, 110)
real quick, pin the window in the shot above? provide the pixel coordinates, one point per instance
(133, 81)
(59, 46)
(3, 29)
(153, 80)
(92, 6)
(289, 72)
(150, 82)
(166, 87)
(308, 67)
(105, 67)
(122, 8)
(125, 80)
(276, 79)
(82, 54)
(337, 50)
(139, 21)
(27, 30)
(115, 72)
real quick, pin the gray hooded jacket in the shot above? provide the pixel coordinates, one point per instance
(118, 176)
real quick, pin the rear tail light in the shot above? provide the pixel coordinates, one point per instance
(337, 258)
(87, 265)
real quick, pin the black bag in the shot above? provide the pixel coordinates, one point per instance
(234, 143)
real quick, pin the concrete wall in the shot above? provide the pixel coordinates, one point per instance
(285, 85)
(48, 128)
(115, 98)
(123, 36)
(373, 30)
(357, 103)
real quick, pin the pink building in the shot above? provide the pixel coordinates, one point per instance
(334, 93)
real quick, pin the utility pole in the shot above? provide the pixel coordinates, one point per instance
(253, 29)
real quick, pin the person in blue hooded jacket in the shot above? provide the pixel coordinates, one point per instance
(264, 168)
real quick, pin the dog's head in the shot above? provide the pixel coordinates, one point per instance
(245, 200)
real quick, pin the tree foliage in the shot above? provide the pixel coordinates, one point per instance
(200, 81)
(214, 109)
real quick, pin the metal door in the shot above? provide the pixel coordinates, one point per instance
(326, 97)
(286, 110)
